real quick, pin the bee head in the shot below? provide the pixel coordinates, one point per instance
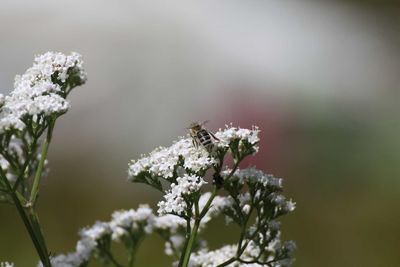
(195, 126)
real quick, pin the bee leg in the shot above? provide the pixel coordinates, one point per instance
(194, 141)
(213, 136)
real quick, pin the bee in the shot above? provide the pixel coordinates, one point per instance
(202, 136)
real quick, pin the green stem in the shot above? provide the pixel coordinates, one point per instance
(198, 217)
(34, 219)
(240, 250)
(209, 201)
(131, 257)
(187, 237)
(35, 239)
(111, 258)
(233, 259)
(31, 153)
(39, 170)
(192, 239)
(133, 249)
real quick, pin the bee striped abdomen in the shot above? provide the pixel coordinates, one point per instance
(204, 138)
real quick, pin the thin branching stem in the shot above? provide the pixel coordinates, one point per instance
(111, 258)
(192, 239)
(32, 151)
(43, 255)
(187, 237)
(39, 170)
(134, 248)
(204, 211)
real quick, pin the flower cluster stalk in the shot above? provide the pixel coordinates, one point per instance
(199, 217)
(35, 236)
(39, 170)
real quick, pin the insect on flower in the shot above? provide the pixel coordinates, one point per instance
(202, 136)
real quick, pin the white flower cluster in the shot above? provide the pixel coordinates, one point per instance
(6, 264)
(5, 165)
(162, 161)
(283, 205)
(14, 149)
(124, 222)
(253, 175)
(84, 247)
(205, 258)
(263, 181)
(175, 241)
(140, 221)
(70, 260)
(40, 90)
(51, 62)
(230, 134)
(174, 198)
(169, 223)
(96, 232)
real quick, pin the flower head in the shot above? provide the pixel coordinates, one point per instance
(175, 198)
(162, 162)
(132, 221)
(41, 90)
(242, 138)
(96, 232)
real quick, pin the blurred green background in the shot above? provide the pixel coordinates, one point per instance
(320, 79)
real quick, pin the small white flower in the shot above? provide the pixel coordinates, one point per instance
(175, 241)
(246, 209)
(48, 104)
(69, 260)
(97, 231)
(253, 175)
(174, 198)
(290, 206)
(162, 161)
(84, 247)
(204, 258)
(230, 134)
(11, 121)
(244, 198)
(169, 223)
(131, 220)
